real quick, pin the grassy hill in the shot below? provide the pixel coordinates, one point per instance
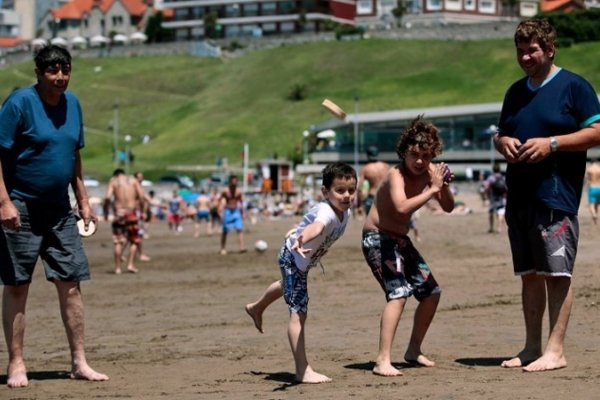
(196, 110)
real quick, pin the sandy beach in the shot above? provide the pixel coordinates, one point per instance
(178, 330)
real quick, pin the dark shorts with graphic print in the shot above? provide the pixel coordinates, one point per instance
(542, 241)
(398, 266)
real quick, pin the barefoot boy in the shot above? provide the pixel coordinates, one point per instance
(302, 250)
(395, 263)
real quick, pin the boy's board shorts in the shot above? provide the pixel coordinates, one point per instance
(127, 227)
(594, 194)
(202, 215)
(542, 241)
(398, 266)
(232, 220)
(295, 290)
(49, 232)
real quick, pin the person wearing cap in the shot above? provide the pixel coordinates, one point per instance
(41, 133)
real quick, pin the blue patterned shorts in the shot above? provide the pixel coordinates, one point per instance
(295, 290)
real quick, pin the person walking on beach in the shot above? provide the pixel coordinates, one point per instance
(41, 133)
(395, 263)
(302, 250)
(549, 119)
(231, 210)
(593, 181)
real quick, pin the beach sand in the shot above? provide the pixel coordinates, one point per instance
(178, 329)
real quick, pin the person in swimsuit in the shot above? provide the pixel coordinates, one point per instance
(231, 211)
(395, 263)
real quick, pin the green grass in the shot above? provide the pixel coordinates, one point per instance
(196, 110)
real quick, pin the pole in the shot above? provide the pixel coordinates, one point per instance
(245, 168)
(127, 155)
(356, 133)
(492, 129)
(115, 128)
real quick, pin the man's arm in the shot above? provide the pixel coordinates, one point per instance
(83, 203)
(9, 216)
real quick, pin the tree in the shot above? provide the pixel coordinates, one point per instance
(211, 24)
(155, 31)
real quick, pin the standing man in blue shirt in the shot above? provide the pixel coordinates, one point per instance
(41, 133)
(549, 119)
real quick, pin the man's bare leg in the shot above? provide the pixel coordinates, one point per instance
(133, 248)
(14, 300)
(255, 310)
(241, 240)
(118, 252)
(304, 372)
(534, 304)
(71, 311)
(560, 301)
(387, 331)
(423, 316)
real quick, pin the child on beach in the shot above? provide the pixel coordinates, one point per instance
(394, 261)
(302, 250)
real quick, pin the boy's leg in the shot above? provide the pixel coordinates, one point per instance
(304, 372)
(534, 304)
(255, 310)
(133, 248)
(560, 300)
(71, 311)
(389, 322)
(423, 316)
(241, 240)
(14, 300)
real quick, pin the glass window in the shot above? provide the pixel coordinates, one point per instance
(434, 5)
(269, 9)
(250, 9)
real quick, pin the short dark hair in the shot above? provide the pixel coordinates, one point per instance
(118, 171)
(421, 134)
(50, 56)
(538, 29)
(337, 170)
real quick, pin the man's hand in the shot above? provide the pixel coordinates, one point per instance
(509, 147)
(534, 150)
(9, 216)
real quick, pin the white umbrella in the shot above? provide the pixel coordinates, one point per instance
(78, 40)
(99, 40)
(58, 41)
(138, 37)
(120, 38)
(39, 42)
(326, 134)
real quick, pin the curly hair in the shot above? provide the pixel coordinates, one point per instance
(538, 29)
(420, 134)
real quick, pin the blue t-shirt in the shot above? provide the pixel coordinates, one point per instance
(38, 145)
(563, 104)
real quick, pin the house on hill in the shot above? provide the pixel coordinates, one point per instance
(99, 18)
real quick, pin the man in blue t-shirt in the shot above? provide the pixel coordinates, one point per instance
(41, 132)
(549, 119)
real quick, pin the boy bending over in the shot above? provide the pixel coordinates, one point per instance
(394, 261)
(302, 250)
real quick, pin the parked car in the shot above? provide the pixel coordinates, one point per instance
(184, 182)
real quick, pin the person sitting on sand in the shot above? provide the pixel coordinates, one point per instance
(320, 228)
(394, 261)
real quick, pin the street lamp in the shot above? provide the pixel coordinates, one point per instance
(115, 129)
(127, 155)
(492, 130)
(356, 133)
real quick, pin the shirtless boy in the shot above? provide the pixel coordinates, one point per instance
(394, 261)
(231, 211)
(126, 195)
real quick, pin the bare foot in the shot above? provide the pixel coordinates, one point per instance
(257, 318)
(16, 375)
(386, 370)
(420, 360)
(133, 270)
(86, 373)
(547, 362)
(311, 376)
(118, 271)
(522, 359)
(144, 257)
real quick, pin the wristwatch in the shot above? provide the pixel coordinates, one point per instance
(553, 144)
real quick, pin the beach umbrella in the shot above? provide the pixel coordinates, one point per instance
(120, 38)
(78, 40)
(138, 37)
(99, 40)
(58, 41)
(326, 134)
(38, 42)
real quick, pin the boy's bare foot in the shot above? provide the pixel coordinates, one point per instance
(547, 362)
(133, 270)
(16, 375)
(257, 318)
(118, 271)
(310, 376)
(420, 360)
(144, 257)
(386, 370)
(86, 373)
(522, 359)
